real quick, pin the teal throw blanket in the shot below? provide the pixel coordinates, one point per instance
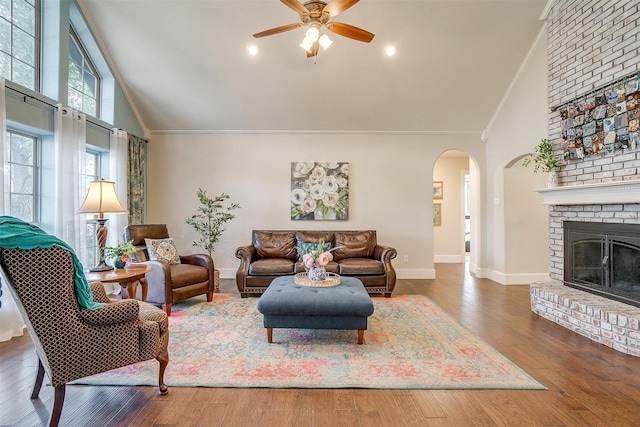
(17, 234)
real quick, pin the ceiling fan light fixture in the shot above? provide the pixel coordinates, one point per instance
(313, 33)
(306, 44)
(314, 16)
(325, 41)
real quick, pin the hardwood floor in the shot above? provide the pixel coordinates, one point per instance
(588, 384)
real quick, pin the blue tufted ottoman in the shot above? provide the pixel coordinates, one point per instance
(287, 305)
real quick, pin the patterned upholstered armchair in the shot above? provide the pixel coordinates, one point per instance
(73, 342)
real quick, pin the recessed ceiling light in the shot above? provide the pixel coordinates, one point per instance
(253, 50)
(390, 50)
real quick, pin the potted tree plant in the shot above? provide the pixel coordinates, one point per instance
(544, 160)
(209, 221)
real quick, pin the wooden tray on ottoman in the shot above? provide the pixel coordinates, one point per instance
(332, 279)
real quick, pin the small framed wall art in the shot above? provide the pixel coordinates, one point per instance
(438, 189)
(437, 214)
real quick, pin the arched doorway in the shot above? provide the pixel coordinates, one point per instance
(453, 180)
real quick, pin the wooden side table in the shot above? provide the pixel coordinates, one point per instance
(129, 276)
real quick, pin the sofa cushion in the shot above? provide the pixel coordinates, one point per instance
(188, 274)
(271, 266)
(361, 266)
(275, 244)
(354, 244)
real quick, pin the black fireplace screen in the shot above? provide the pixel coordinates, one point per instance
(603, 258)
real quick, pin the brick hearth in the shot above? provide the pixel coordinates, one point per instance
(608, 322)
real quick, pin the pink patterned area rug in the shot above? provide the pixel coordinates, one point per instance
(411, 343)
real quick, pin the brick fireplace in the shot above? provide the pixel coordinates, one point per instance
(590, 45)
(601, 319)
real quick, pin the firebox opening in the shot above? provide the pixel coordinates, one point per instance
(604, 259)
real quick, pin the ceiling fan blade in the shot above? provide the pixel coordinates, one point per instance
(295, 5)
(338, 6)
(277, 30)
(314, 50)
(350, 31)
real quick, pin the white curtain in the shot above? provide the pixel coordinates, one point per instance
(70, 154)
(11, 323)
(118, 162)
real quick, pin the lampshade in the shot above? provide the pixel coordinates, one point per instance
(306, 44)
(325, 41)
(101, 199)
(313, 33)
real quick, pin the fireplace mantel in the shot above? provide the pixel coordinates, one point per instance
(602, 193)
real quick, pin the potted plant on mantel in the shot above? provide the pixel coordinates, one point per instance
(544, 160)
(208, 223)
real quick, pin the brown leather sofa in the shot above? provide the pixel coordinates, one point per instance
(170, 283)
(275, 253)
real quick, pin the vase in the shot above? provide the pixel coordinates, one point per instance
(552, 179)
(319, 214)
(317, 274)
(119, 263)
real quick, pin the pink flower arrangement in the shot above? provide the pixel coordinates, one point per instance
(320, 261)
(317, 257)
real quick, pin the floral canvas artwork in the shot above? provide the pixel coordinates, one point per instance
(319, 191)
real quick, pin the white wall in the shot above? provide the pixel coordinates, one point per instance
(511, 216)
(526, 220)
(390, 186)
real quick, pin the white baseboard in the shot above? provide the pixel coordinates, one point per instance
(448, 259)
(472, 268)
(517, 279)
(481, 273)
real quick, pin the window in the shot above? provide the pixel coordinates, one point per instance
(22, 155)
(88, 254)
(19, 46)
(84, 81)
(91, 169)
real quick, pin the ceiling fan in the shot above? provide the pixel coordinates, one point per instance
(316, 15)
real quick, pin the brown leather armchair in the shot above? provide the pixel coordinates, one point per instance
(73, 342)
(170, 283)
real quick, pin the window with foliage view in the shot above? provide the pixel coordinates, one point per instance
(89, 252)
(84, 81)
(19, 42)
(22, 155)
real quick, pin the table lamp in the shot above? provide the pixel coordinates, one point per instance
(102, 199)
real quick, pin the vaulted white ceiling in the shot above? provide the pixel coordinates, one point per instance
(184, 64)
